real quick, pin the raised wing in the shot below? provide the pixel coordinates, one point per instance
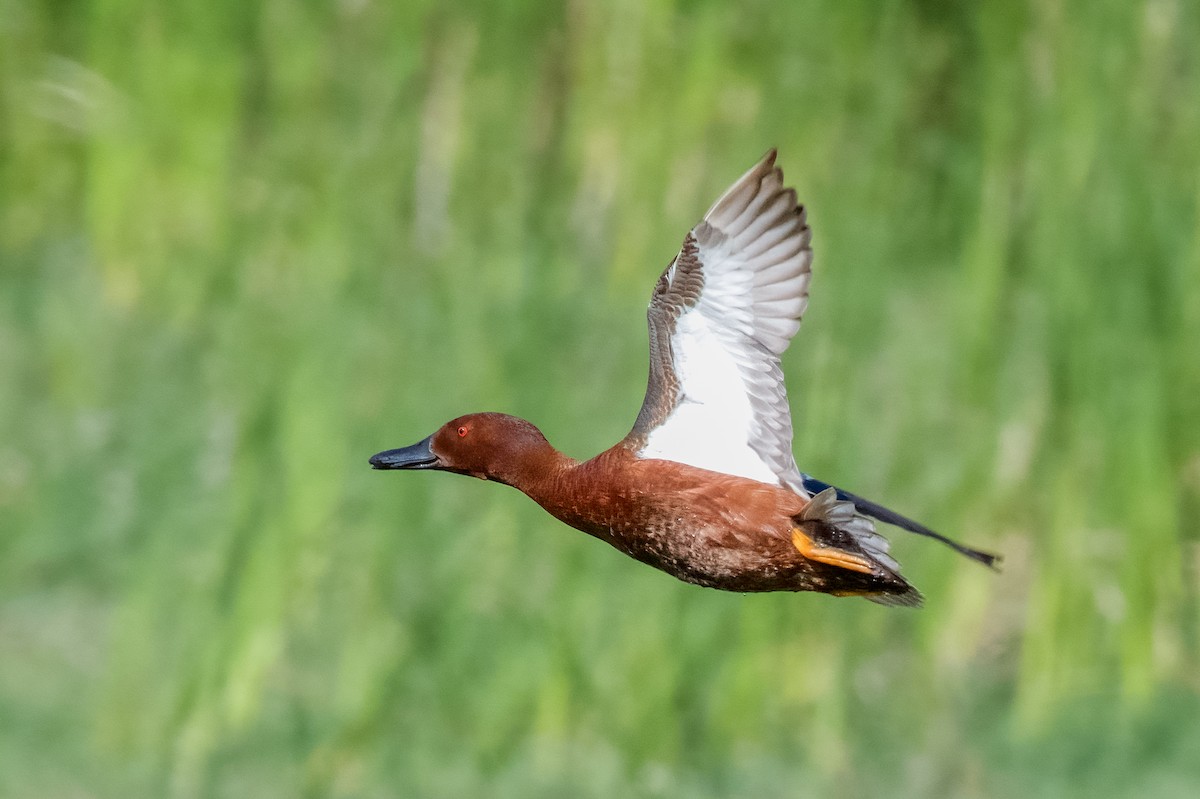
(721, 314)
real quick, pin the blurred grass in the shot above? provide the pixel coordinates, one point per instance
(245, 246)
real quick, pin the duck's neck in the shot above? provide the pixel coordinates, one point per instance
(581, 495)
(541, 473)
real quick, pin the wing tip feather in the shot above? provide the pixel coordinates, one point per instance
(752, 177)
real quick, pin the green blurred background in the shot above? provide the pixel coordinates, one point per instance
(244, 246)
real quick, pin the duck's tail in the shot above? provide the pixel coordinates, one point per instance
(831, 531)
(865, 506)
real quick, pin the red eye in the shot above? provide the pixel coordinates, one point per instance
(462, 431)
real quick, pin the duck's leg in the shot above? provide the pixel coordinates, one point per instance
(829, 555)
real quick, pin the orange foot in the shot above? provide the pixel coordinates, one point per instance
(829, 555)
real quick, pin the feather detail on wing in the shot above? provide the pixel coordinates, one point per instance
(721, 314)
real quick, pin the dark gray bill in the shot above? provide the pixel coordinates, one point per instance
(418, 456)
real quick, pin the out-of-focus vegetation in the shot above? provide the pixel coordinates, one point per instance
(243, 246)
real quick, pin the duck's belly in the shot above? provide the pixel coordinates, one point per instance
(712, 557)
(696, 558)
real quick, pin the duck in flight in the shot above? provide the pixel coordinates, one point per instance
(705, 486)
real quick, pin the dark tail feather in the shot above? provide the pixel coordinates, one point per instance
(905, 599)
(875, 511)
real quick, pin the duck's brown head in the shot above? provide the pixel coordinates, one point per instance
(490, 446)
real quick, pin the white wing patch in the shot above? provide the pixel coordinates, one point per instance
(712, 425)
